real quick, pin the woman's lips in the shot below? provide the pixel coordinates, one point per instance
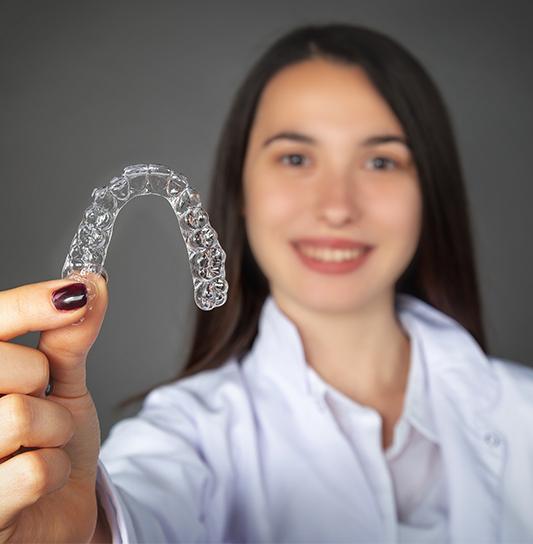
(330, 242)
(328, 266)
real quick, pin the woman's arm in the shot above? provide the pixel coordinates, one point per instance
(152, 478)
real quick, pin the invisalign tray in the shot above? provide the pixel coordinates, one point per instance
(206, 257)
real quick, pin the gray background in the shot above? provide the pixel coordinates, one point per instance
(89, 87)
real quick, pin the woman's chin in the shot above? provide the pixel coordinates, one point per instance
(331, 301)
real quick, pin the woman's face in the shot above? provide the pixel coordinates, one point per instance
(317, 181)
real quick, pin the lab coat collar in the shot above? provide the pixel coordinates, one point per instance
(417, 410)
(463, 391)
(451, 356)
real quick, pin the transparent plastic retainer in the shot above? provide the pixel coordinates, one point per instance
(88, 248)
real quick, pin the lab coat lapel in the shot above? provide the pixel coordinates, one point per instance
(463, 391)
(474, 465)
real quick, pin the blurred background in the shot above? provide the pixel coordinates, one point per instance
(88, 87)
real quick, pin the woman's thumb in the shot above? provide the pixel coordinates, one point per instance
(66, 347)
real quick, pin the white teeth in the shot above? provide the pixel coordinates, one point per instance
(331, 255)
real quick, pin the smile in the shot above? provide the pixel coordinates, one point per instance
(327, 260)
(331, 255)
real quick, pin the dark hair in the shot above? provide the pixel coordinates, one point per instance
(442, 271)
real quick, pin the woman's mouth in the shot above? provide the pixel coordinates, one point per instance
(331, 260)
(331, 255)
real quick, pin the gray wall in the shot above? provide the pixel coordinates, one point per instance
(89, 87)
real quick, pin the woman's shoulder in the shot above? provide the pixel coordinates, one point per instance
(515, 377)
(206, 390)
(185, 411)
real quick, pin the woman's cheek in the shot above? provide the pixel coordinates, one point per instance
(272, 212)
(276, 206)
(402, 217)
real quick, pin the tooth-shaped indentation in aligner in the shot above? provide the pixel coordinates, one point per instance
(89, 246)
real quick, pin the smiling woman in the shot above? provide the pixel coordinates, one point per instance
(332, 233)
(330, 121)
(343, 393)
(337, 135)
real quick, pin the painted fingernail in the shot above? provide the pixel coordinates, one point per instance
(70, 297)
(49, 387)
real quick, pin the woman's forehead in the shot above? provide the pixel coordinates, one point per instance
(321, 94)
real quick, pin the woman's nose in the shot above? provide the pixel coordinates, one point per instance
(335, 201)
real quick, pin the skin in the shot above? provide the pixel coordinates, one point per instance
(333, 185)
(50, 444)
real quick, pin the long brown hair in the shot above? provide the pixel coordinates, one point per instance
(442, 271)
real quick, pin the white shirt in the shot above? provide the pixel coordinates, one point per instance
(267, 451)
(407, 480)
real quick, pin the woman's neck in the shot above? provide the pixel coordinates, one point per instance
(365, 355)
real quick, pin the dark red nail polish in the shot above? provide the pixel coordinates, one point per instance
(49, 388)
(70, 297)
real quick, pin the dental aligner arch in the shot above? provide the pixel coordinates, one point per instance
(89, 245)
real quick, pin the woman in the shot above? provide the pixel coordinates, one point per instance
(343, 393)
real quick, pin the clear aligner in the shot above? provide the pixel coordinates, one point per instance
(88, 248)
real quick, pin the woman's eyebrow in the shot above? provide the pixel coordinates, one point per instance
(293, 136)
(367, 142)
(384, 139)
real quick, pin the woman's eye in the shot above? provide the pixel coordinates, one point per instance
(294, 159)
(384, 163)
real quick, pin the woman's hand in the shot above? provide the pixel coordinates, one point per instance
(49, 444)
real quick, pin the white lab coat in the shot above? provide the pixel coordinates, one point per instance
(192, 465)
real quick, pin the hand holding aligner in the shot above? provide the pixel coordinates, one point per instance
(89, 246)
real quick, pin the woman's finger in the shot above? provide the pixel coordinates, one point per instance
(30, 308)
(33, 422)
(30, 475)
(23, 370)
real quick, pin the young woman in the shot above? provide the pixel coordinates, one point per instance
(343, 393)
